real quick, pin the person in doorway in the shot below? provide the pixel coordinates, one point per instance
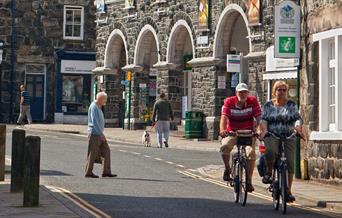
(281, 117)
(98, 145)
(239, 112)
(162, 112)
(25, 108)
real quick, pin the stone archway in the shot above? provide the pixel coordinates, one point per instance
(115, 58)
(145, 78)
(232, 36)
(231, 32)
(180, 50)
(115, 48)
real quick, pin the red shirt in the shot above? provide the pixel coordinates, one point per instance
(240, 118)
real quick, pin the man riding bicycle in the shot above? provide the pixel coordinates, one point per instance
(239, 112)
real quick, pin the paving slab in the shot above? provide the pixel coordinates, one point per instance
(11, 204)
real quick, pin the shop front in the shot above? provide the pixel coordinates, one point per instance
(74, 91)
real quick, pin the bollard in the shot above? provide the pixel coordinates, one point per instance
(31, 172)
(2, 151)
(17, 166)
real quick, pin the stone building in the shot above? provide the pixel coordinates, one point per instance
(180, 48)
(321, 81)
(54, 56)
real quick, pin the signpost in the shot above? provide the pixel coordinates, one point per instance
(287, 45)
(287, 30)
(234, 67)
(129, 78)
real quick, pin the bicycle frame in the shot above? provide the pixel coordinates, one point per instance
(240, 166)
(281, 164)
(279, 168)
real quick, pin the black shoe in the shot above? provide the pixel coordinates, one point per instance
(91, 176)
(109, 175)
(166, 144)
(267, 179)
(290, 198)
(226, 176)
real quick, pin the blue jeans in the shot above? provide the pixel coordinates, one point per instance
(163, 130)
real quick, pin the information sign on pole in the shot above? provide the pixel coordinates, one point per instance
(287, 30)
(233, 63)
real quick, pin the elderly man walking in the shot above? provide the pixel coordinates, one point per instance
(98, 145)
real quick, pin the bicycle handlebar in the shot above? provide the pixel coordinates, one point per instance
(234, 133)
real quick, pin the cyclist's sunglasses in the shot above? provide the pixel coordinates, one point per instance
(281, 90)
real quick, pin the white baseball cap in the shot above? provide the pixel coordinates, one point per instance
(241, 87)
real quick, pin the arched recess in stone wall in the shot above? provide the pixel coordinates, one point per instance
(116, 57)
(180, 46)
(146, 52)
(116, 46)
(179, 42)
(230, 32)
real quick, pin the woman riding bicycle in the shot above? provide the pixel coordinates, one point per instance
(281, 117)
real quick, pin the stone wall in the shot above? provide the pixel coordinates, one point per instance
(325, 161)
(324, 157)
(39, 26)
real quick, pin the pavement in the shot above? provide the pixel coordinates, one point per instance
(51, 202)
(307, 192)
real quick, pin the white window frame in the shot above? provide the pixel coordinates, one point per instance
(331, 85)
(82, 23)
(327, 130)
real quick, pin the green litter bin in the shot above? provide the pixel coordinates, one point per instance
(193, 124)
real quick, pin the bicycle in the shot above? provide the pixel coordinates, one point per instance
(239, 168)
(279, 184)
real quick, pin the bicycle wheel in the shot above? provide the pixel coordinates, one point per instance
(236, 181)
(283, 188)
(275, 190)
(243, 183)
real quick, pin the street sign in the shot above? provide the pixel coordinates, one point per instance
(233, 63)
(124, 82)
(202, 40)
(287, 30)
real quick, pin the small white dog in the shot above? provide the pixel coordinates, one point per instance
(145, 139)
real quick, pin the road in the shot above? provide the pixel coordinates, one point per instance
(151, 182)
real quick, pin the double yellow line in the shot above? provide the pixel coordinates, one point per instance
(78, 201)
(259, 195)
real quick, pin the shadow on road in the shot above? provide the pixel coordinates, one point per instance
(167, 207)
(148, 180)
(53, 173)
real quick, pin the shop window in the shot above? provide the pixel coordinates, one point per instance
(73, 22)
(76, 93)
